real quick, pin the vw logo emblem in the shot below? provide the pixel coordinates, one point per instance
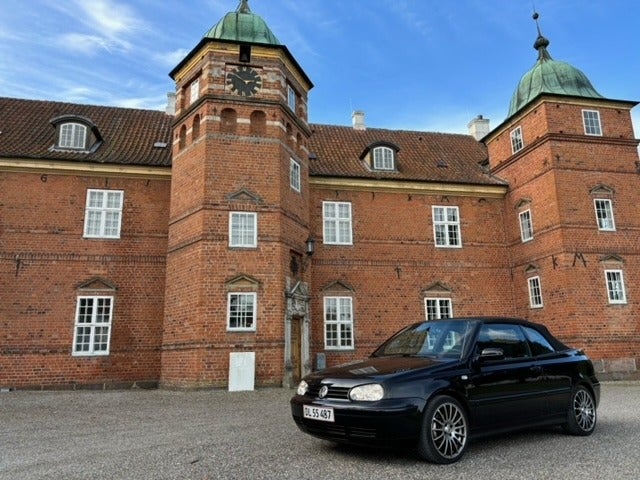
(323, 391)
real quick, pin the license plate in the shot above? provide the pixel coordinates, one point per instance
(323, 414)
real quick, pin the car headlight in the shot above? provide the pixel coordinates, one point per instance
(302, 388)
(367, 393)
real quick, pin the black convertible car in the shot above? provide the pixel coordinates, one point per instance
(436, 384)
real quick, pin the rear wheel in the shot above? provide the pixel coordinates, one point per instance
(444, 432)
(581, 417)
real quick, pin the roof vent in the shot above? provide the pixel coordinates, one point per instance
(441, 164)
(160, 145)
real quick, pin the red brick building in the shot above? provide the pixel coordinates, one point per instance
(149, 248)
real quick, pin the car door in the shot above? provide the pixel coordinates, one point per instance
(505, 392)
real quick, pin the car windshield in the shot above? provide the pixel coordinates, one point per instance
(441, 339)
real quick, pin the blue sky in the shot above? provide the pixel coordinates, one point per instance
(409, 64)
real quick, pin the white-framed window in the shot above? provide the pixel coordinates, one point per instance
(103, 213)
(73, 135)
(437, 308)
(604, 214)
(516, 140)
(383, 158)
(294, 175)
(446, 227)
(526, 226)
(243, 229)
(291, 98)
(535, 292)
(591, 119)
(615, 286)
(336, 223)
(241, 311)
(338, 323)
(92, 331)
(194, 90)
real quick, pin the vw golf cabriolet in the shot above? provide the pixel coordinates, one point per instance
(436, 384)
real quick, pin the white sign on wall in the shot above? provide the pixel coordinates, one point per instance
(242, 371)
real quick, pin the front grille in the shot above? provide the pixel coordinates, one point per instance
(339, 432)
(334, 393)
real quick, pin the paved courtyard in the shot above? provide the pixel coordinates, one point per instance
(158, 434)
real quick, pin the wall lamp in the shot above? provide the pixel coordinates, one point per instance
(311, 246)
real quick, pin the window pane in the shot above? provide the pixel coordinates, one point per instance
(93, 325)
(338, 322)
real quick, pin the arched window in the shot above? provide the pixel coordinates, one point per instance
(195, 129)
(383, 158)
(258, 123)
(228, 120)
(183, 137)
(73, 135)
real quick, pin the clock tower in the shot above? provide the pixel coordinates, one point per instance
(236, 303)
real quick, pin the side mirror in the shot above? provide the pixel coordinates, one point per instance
(491, 354)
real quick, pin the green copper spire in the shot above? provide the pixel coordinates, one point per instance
(243, 26)
(550, 76)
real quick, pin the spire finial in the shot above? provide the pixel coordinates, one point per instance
(541, 42)
(244, 6)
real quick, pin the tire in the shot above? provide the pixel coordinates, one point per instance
(445, 431)
(581, 416)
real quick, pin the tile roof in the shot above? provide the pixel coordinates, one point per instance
(422, 156)
(128, 134)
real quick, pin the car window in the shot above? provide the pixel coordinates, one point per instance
(509, 338)
(539, 344)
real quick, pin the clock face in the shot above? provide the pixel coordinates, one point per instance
(244, 81)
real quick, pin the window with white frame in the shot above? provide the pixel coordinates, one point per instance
(93, 325)
(243, 229)
(103, 213)
(516, 140)
(73, 135)
(336, 223)
(383, 158)
(446, 227)
(526, 226)
(294, 175)
(535, 292)
(604, 214)
(291, 98)
(241, 311)
(615, 286)
(338, 323)
(437, 308)
(591, 119)
(194, 90)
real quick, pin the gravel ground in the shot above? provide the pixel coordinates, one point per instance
(159, 434)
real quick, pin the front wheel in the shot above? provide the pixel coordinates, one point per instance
(581, 417)
(444, 432)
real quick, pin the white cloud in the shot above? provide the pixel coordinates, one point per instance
(89, 44)
(108, 17)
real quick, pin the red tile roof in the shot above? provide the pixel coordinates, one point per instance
(129, 135)
(422, 156)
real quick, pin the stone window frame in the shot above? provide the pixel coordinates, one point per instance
(243, 234)
(614, 282)
(337, 223)
(93, 326)
(244, 312)
(103, 216)
(534, 285)
(343, 322)
(517, 140)
(592, 123)
(447, 232)
(604, 214)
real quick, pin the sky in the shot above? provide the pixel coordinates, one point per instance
(428, 65)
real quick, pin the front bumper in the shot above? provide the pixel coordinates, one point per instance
(362, 423)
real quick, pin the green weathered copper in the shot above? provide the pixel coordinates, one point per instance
(550, 76)
(243, 26)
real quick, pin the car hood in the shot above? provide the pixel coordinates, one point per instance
(376, 366)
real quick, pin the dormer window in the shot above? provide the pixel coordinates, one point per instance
(73, 135)
(383, 158)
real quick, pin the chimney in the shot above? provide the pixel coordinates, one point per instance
(357, 117)
(171, 104)
(479, 127)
